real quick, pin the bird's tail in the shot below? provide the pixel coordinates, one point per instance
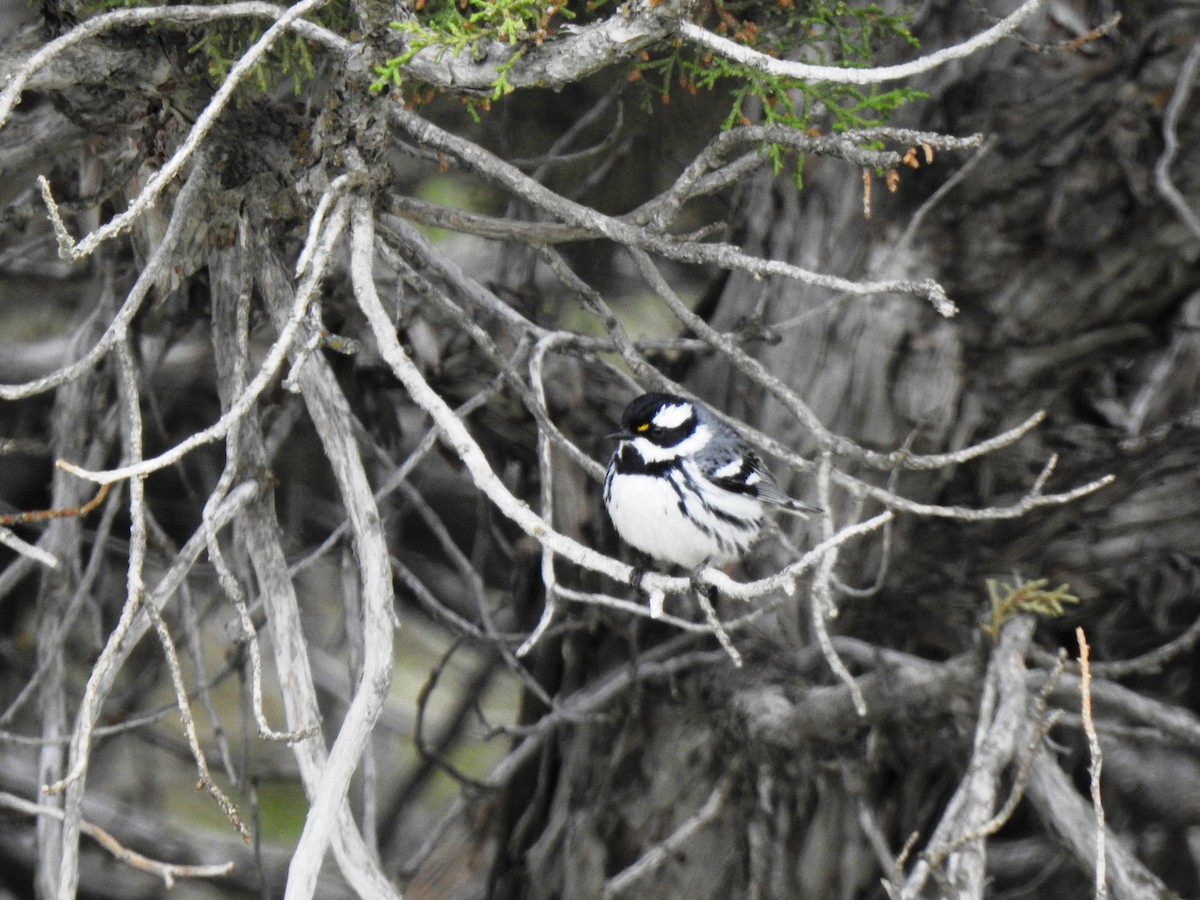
(796, 508)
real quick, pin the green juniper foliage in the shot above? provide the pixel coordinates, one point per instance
(827, 34)
(820, 32)
(1010, 600)
(288, 58)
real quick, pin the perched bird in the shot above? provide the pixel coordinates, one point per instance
(684, 487)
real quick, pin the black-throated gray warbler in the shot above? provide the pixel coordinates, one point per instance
(684, 487)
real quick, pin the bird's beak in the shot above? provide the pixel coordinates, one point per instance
(619, 436)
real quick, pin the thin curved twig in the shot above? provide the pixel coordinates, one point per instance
(1162, 169)
(179, 225)
(726, 256)
(168, 872)
(849, 146)
(659, 853)
(821, 605)
(101, 678)
(740, 53)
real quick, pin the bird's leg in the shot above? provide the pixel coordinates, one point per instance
(641, 568)
(699, 588)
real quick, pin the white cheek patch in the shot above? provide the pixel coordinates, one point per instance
(673, 416)
(694, 442)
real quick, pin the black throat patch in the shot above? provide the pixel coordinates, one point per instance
(627, 461)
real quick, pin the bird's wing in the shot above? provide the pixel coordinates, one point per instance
(744, 472)
(739, 473)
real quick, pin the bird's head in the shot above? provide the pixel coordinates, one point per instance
(662, 427)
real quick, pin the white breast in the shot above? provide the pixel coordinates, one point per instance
(646, 512)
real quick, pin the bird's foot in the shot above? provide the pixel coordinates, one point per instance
(641, 568)
(699, 587)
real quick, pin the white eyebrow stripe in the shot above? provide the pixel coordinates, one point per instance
(673, 416)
